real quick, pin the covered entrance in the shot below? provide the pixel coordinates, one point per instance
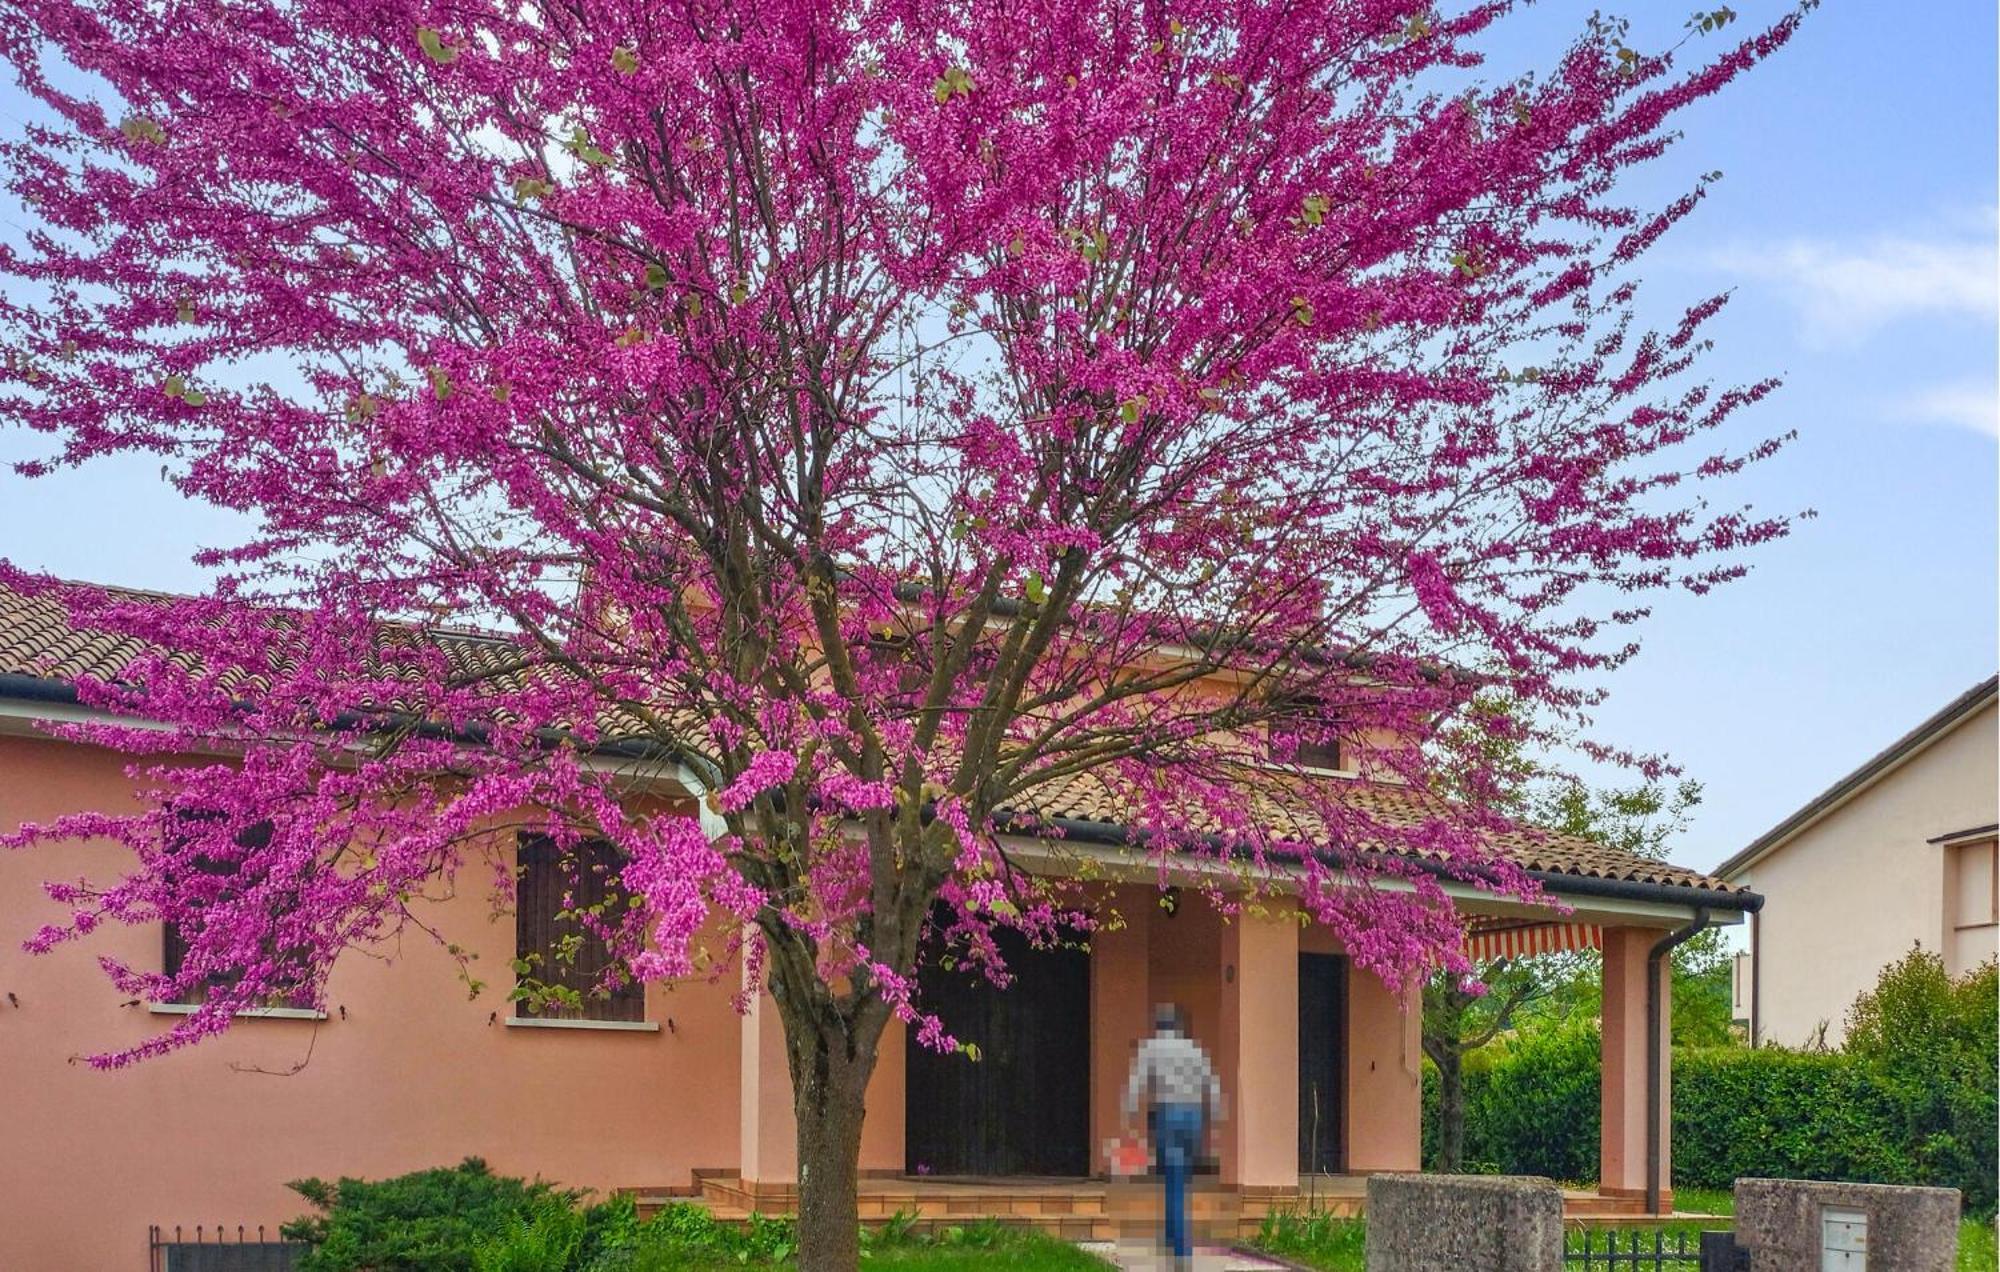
(1023, 1107)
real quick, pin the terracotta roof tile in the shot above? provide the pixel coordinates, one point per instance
(37, 640)
(1086, 797)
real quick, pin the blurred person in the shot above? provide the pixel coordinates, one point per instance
(1174, 1084)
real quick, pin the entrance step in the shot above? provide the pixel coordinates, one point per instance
(1074, 1209)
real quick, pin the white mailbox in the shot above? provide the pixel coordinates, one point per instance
(1843, 1241)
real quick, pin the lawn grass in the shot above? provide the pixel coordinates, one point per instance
(1976, 1247)
(1335, 1244)
(1339, 1244)
(977, 1247)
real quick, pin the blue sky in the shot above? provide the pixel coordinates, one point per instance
(1856, 225)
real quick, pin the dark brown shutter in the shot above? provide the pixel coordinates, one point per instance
(1324, 754)
(591, 878)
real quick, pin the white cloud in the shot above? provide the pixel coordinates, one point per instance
(1846, 290)
(1973, 404)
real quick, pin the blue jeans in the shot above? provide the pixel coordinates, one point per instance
(1177, 1132)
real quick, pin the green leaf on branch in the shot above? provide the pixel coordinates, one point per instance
(582, 147)
(656, 276)
(953, 83)
(1711, 20)
(440, 382)
(434, 46)
(1131, 409)
(526, 188)
(176, 385)
(625, 59)
(1314, 209)
(139, 129)
(1037, 591)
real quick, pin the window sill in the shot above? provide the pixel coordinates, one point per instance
(262, 1013)
(1309, 770)
(617, 1026)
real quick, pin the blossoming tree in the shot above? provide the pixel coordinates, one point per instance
(874, 414)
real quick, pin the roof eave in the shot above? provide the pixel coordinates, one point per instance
(1561, 883)
(1877, 767)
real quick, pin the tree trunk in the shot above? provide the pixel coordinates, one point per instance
(1451, 1108)
(831, 1062)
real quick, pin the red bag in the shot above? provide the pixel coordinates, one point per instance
(1127, 1157)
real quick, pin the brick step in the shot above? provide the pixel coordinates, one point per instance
(1598, 1207)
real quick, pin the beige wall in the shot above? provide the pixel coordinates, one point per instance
(1852, 892)
(415, 1075)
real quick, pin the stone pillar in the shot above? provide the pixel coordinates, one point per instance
(1121, 1001)
(770, 1137)
(1790, 1223)
(1260, 1041)
(1496, 1223)
(1622, 1096)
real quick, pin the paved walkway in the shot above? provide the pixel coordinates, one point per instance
(1146, 1256)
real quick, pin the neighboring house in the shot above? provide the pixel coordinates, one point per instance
(1899, 853)
(399, 1068)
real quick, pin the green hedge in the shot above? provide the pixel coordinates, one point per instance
(1532, 1108)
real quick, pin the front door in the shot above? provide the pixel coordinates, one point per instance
(1322, 1063)
(1023, 1107)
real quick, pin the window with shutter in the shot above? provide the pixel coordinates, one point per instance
(1313, 752)
(559, 961)
(238, 876)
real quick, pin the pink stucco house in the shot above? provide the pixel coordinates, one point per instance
(672, 1090)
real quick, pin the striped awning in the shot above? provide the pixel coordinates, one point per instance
(1518, 940)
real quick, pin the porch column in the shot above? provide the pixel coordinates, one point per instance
(770, 1138)
(884, 1130)
(1260, 1044)
(1622, 1166)
(1121, 1003)
(1385, 1086)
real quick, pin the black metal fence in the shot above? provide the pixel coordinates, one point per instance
(219, 1249)
(1655, 1250)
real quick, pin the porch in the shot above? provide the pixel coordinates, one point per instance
(1070, 1208)
(1321, 1068)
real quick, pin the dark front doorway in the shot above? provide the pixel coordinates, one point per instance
(1022, 1108)
(1322, 1063)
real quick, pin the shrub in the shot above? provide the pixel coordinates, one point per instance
(1912, 1100)
(462, 1218)
(1531, 1105)
(1932, 1044)
(549, 1239)
(426, 1221)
